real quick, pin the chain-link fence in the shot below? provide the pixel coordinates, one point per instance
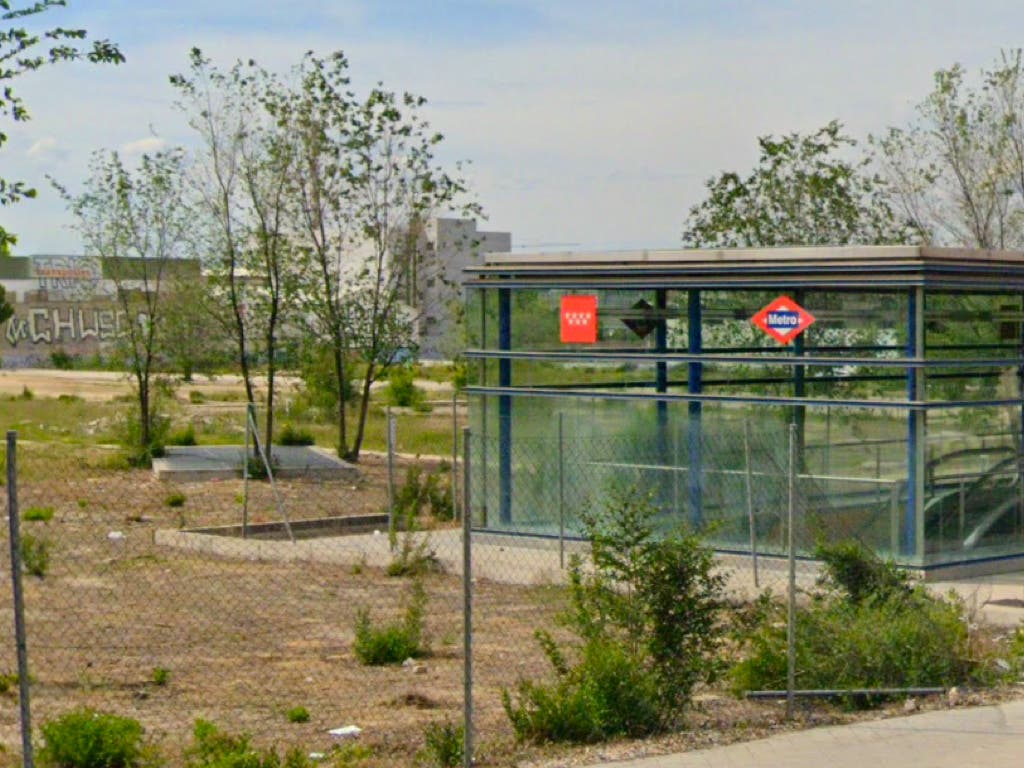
(134, 605)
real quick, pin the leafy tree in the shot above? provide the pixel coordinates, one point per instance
(802, 192)
(242, 181)
(23, 50)
(956, 172)
(367, 181)
(137, 223)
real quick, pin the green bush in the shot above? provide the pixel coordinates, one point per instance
(61, 360)
(298, 715)
(402, 390)
(85, 738)
(443, 744)
(161, 676)
(175, 500)
(645, 612)
(871, 629)
(183, 436)
(291, 435)
(35, 555)
(38, 514)
(213, 748)
(196, 397)
(393, 643)
(431, 492)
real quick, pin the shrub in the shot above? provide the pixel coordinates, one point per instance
(213, 748)
(35, 555)
(393, 643)
(161, 676)
(64, 398)
(175, 500)
(291, 435)
(645, 613)
(38, 514)
(183, 436)
(872, 629)
(196, 397)
(443, 744)
(298, 715)
(402, 390)
(26, 393)
(61, 360)
(85, 738)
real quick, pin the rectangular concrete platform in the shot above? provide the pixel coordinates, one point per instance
(188, 463)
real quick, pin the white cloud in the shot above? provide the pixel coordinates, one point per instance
(47, 149)
(146, 146)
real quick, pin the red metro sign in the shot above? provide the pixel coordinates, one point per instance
(579, 319)
(783, 319)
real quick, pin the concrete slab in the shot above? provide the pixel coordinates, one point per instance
(187, 463)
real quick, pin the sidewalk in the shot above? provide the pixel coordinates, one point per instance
(968, 737)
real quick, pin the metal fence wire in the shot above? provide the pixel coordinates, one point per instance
(132, 605)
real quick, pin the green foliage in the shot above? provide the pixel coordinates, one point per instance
(402, 390)
(175, 500)
(8, 681)
(298, 715)
(184, 436)
(84, 738)
(645, 613)
(419, 493)
(395, 642)
(196, 397)
(858, 574)
(214, 748)
(26, 393)
(35, 555)
(161, 676)
(292, 435)
(802, 192)
(61, 360)
(24, 50)
(443, 744)
(38, 514)
(870, 629)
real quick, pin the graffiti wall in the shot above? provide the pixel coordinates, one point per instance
(61, 304)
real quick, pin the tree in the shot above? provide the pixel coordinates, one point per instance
(366, 182)
(956, 172)
(137, 223)
(23, 51)
(802, 192)
(241, 181)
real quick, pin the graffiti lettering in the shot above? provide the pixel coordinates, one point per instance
(56, 325)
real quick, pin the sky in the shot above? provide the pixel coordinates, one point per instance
(587, 124)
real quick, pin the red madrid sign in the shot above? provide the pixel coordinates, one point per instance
(783, 319)
(579, 319)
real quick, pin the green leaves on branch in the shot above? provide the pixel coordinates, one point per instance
(803, 191)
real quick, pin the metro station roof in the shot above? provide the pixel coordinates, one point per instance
(817, 266)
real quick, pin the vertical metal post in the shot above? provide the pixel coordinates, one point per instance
(913, 520)
(245, 472)
(694, 386)
(19, 599)
(504, 408)
(467, 607)
(455, 455)
(750, 502)
(791, 556)
(827, 459)
(391, 475)
(561, 490)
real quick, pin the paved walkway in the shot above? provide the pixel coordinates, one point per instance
(967, 737)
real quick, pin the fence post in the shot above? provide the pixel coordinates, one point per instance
(791, 608)
(455, 455)
(250, 410)
(561, 490)
(391, 430)
(19, 601)
(750, 502)
(467, 606)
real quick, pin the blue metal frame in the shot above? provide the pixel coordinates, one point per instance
(505, 407)
(908, 543)
(695, 371)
